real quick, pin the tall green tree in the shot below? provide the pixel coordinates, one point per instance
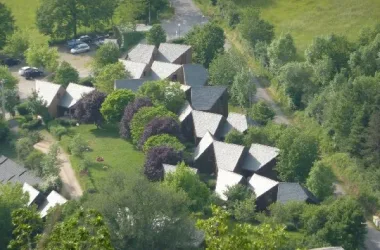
(28, 225)
(66, 74)
(281, 51)
(243, 89)
(17, 44)
(7, 24)
(115, 103)
(321, 180)
(156, 35)
(207, 41)
(12, 99)
(262, 113)
(50, 163)
(41, 56)
(104, 80)
(107, 54)
(371, 151)
(11, 198)
(10, 81)
(224, 67)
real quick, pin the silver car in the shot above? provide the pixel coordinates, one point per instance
(80, 48)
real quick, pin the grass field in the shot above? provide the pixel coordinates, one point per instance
(118, 154)
(305, 19)
(24, 12)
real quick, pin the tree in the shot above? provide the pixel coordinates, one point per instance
(51, 164)
(234, 137)
(206, 41)
(143, 215)
(186, 180)
(36, 105)
(24, 147)
(129, 111)
(156, 35)
(164, 93)
(28, 226)
(297, 80)
(161, 125)
(115, 103)
(163, 140)
(243, 89)
(86, 229)
(104, 80)
(11, 100)
(33, 161)
(41, 56)
(241, 203)
(107, 54)
(129, 11)
(17, 43)
(143, 117)
(153, 168)
(78, 146)
(221, 234)
(7, 24)
(371, 152)
(87, 109)
(262, 113)
(66, 74)
(255, 29)
(10, 81)
(223, 69)
(62, 19)
(4, 130)
(281, 51)
(321, 180)
(298, 151)
(11, 198)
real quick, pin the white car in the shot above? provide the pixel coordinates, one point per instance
(81, 48)
(22, 71)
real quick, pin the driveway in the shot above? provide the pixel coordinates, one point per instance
(81, 62)
(71, 188)
(187, 15)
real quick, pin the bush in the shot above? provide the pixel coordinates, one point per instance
(143, 117)
(85, 164)
(87, 81)
(115, 103)
(262, 113)
(156, 35)
(235, 137)
(163, 140)
(33, 161)
(33, 124)
(51, 183)
(23, 109)
(58, 131)
(160, 126)
(66, 74)
(23, 148)
(78, 146)
(66, 121)
(4, 130)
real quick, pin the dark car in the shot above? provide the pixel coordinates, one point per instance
(85, 39)
(32, 73)
(73, 43)
(10, 61)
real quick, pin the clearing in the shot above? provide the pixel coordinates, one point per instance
(305, 19)
(24, 12)
(118, 154)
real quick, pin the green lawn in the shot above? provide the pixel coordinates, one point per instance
(118, 154)
(305, 19)
(24, 12)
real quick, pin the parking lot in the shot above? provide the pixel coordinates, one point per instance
(80, 62)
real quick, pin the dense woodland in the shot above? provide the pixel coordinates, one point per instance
(334, 91)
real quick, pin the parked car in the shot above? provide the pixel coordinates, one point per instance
(99, 42)
(85, 39)
(73, 43)
(10, 61)
(33, 73)
(22, 71)
(80, 48)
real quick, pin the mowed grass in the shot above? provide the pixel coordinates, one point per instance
(305, 19)
(118, 154)
(24, 12)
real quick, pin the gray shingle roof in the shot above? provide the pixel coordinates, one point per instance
(224, 180)
(258, 156)
(162, 70)
(204, 144)
(47, 90)
(135, 68)
(237, 121)
(260, 184)
(132, 84)
(288, 191)
(74, 93)
(185, 111)
(10, 171)
(169, 52)
(204, 98)
(195, 75)
(227, 155)
(204, 121)
(142, 53)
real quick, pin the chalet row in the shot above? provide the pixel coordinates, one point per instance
(11, 172)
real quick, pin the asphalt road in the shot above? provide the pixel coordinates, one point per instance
(186, 15)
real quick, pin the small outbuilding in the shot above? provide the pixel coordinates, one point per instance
(51, 94)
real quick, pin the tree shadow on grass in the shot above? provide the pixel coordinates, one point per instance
(106, 131)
